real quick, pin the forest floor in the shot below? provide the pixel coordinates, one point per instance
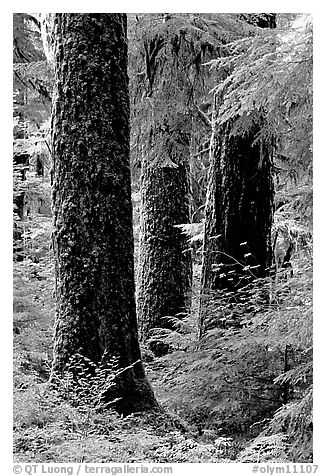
(47, 428)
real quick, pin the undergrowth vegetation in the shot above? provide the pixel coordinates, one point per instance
(240, 393)
(66, 420)
(251, 378)
(243, 391)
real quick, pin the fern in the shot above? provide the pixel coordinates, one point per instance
(271, 448)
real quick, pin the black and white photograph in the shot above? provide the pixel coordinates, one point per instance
(162, 242)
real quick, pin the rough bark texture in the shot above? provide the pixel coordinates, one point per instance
(239, 213)
(239, 206)
(164, 277)
(165, 266)
(93, 238)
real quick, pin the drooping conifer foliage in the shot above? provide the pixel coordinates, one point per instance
(239, 207)
(254, 87)
(220, 142)
(169, 94)
(164, 276)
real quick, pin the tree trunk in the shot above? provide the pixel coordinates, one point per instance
(93, 238)
(239, 209)
(238, 217)
(165, 265)
(164, 277)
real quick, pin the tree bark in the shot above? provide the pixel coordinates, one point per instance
(165, 264)
(239, 206)
(238, 216)
(164, 277)
(93, 238)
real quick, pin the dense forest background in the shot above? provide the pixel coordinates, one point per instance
(221, 189)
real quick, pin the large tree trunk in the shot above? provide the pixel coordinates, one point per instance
(164, 276)
(239, 212)
(93, 238)
(238, 217)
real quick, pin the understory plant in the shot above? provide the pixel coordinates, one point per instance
(253, 378)
(73, 407)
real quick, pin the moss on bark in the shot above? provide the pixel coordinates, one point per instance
(164, 277)
(93, 238)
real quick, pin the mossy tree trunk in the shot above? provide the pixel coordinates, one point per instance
(165, 267)
(93, 238)
(165, 262)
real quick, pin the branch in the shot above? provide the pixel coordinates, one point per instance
(203, 117)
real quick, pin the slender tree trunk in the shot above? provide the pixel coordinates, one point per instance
(93, 239)
(21, 163)
(164, 277)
